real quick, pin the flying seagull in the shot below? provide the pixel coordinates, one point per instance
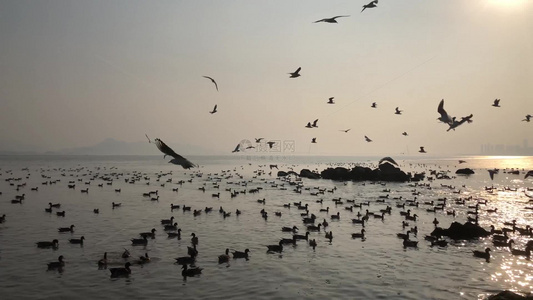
(456, 123)
(372, 4)
(374, 105)
(404, 133)
(345, 130)
(330, 100)
(237, 148)
(422, 150)
(270, 144)
(214, 110)
(528, 118)
(367, 139)
(308, 125)
(330, 20)
(177, 159)
(398, 111)
(314, 123)
(296, 73)
(212, 80)
(496, 103)
(313, 140)
(258, 140)
(444, 117)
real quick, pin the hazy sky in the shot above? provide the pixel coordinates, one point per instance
(73, 73)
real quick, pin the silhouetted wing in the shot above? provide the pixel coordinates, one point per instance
(178, 159)
(149, 141)
(315, 22)
(215, 108)
(314, 123)
(298, 70)
(212, 81)
(444, 117)
(339, 17)
(389, 159)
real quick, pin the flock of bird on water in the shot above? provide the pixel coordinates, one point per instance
(500, 238)
(357, 212)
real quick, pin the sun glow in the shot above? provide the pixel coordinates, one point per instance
(508, 3)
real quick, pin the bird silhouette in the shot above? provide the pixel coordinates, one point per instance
(496, 103)
(444, 117)
(271, 144)
(330, 20)
(177, 159)
(398, 111)
(367, 139)
(212, 80)
(330, 100)
(404, 133)
(313, 140)
(214, 110)
(237, 148)
(456, 123)
(315, 123)
(422, 150)
(528, 118)
(374, 105)
(345, 130)
(295, 73)
(372, 4)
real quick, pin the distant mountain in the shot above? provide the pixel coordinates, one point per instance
(112, 146)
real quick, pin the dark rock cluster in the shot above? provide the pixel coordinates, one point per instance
(458, 231)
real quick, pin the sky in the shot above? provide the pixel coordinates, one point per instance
(74, 73)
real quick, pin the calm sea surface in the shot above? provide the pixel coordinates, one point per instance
(375, 268)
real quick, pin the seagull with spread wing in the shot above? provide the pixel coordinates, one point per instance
(367, 139)
(372, 4)
(374, 105)
(398, 111)
(315, 123)
(214, 110)
(237, 148)
(295, 73)
(456, 123)
(422, 150)
(528, 118)
(212, 80)
(177, 159)
(444, 117)
(330, 100)
(330, 20)
(496, 103)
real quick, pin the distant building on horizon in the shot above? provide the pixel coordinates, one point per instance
(501, 149)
